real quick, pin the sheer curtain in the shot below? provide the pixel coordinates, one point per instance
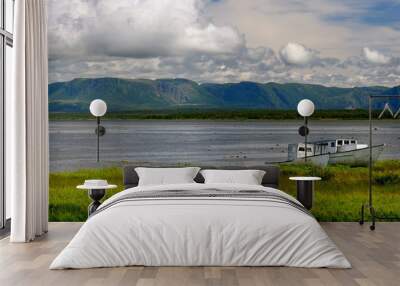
(27, 124)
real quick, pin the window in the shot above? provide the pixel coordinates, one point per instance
(340, 142)
(346, 142)
(332, 144)
(353, 141)
(6, 44)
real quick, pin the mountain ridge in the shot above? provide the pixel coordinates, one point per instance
(146, 94)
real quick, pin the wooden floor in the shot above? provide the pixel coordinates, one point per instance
(375, 257)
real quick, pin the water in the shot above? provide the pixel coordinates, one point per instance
(167, 142)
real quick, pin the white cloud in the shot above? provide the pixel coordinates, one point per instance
(375, 57)
(139, 29)
(296, 54)
(331, 27)
(249, 65)
(218, 41)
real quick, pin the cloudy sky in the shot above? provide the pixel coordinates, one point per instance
(335, 43)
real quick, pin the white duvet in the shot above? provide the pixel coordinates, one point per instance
(203, 232)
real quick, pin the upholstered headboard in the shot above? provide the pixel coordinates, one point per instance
(271, 177)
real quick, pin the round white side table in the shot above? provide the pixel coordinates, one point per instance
(96, 193)
(305, 190)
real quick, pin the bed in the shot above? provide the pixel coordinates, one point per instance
(197, 224)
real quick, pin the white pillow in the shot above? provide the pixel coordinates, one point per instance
(166, 176)
(247, 177)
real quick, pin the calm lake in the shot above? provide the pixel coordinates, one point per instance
(166, 142)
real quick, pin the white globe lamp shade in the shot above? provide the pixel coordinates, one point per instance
(98, 107)
(305, 108)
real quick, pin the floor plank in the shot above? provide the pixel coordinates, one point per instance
(375, 257)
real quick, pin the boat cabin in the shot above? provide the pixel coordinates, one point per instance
(301, 150)
(326, 147)
(339, 145)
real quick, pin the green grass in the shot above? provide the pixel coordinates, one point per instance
(216, 114)
(66, 203)
(338, 196)
(343, 189)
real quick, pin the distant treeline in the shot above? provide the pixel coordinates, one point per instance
(220, 115)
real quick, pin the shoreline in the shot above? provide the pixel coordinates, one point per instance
(220, 115)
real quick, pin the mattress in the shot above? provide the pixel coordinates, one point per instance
(201, 225)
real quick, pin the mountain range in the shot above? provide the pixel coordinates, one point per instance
(144, 94)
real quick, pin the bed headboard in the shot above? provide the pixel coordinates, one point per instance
(271, 177)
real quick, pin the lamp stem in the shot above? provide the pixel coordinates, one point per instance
(98, 139)
(305, 138)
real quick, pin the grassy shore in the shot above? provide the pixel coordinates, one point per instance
(338, 196)
(217, 114)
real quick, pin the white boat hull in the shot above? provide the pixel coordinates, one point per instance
(356, 157)
(317, 160)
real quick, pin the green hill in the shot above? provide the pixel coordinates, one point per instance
(144, 94)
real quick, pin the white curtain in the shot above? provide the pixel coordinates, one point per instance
(27, 123)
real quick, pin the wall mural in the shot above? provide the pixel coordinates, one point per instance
(198, 82)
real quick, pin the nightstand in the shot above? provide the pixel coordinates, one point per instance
(96, 190)
(305, 190)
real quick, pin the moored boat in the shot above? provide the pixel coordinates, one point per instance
(339, 151)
